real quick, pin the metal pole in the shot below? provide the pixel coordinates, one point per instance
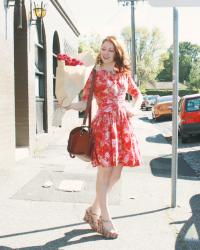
(133, 47)
(174, 167)
(41, 29)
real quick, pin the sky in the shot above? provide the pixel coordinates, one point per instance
(108, 17)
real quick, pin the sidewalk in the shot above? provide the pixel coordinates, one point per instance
(34, 217)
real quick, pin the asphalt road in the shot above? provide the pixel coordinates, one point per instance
(189, 151)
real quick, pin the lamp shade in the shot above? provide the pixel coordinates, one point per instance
(39, 9)
(40, 12)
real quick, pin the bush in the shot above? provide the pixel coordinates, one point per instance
(162, 92)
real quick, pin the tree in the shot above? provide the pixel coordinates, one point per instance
(90, 43)
(126, 34)
(188, 55)
(167, 62)
(149, 47)
(194, 76)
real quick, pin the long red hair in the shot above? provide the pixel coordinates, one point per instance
(121, 61)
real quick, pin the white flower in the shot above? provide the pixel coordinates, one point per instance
(107, 135)
(126, 138)
(107, 155)
(109, 83)
(126, 158)
(113, 142)
(115, 89)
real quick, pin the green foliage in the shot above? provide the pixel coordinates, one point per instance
(143, 89)
(162, 92)
(149, 47)
(126, 34)
(188, 55)
(194, 76)
(90, 43)
(166, 73)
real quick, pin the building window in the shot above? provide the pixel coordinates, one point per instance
(39, 70)
(56, 51)
(40, 79)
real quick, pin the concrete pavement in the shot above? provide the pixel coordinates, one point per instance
(34, 217)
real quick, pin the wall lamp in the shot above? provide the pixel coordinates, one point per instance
(39, 11)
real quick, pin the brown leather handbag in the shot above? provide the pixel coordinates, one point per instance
(80, 141)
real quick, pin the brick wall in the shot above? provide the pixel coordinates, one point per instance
(21, 87)
(17, 80)
(7, 112)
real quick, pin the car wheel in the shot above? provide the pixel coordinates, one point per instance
(184, 139)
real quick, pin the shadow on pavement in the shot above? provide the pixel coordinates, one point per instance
(144, 119)
(65, 241)
(192, 141)
(159, 138)
(40, 230)
(161, 119)
(189, 235)
(161, 167)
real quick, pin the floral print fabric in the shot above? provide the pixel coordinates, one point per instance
(114, 138)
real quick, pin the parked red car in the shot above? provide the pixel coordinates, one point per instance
(189, 116)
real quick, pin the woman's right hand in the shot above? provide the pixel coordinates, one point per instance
(59, 104)
(67, 107)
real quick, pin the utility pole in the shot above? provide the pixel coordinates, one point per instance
(133, 41)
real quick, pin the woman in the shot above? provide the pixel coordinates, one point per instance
(115, 143)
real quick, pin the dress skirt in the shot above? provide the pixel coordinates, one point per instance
(115, 142)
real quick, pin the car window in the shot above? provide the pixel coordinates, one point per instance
(192, 105)
(165, 99)
(151, 97)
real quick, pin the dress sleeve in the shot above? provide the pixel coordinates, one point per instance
(86, 89)
(133, 90)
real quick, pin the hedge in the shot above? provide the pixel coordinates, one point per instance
(162, 92)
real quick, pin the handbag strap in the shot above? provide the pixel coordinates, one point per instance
(88, 110)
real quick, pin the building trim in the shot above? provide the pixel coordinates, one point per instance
(62, 12)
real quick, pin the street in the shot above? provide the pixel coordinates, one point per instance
(190, 151)
(36, 217)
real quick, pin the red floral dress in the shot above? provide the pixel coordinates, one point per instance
(114, 137)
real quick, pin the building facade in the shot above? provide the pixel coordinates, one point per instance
(28, 49)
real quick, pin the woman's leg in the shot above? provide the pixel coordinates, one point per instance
(114, 177)
(106, 178)
(102, 182)
(99, 205)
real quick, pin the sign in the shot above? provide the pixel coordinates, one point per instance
(174, 3)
